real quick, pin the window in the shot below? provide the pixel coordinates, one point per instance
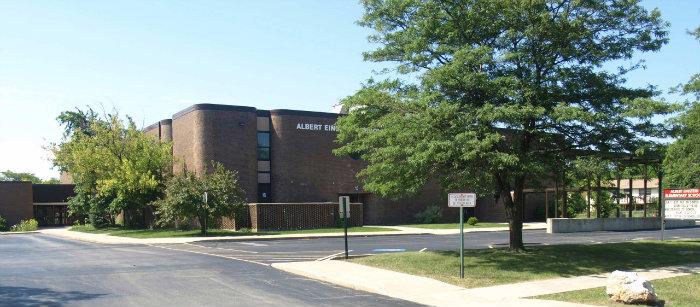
(263, 139)
(263, 153)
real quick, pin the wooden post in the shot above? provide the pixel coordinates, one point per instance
(645, 189)
(630, 204)
(546, 205)
(619, 193)
(598, 199)
(588, 196)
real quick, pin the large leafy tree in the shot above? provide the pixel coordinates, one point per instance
(488, 93)
(682, 161)
(116, 167)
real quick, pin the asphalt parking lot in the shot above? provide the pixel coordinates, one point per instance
(266, 252)
(39, 270)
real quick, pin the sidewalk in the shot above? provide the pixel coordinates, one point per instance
(436, 293)
(108, 239)
(526, 226)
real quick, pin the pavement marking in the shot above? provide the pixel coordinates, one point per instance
(209, 254)
(329, 257)
(253, 244)
(390, 250)
(422, 250)
(643, 238)
(228, 249)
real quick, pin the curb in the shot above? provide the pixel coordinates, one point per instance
(7, 233)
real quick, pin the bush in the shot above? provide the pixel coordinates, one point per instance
(431, 214)
(472, 221)
(183, 200)
(26, 225)
(3, 224)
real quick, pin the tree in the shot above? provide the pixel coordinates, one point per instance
(490, 93)
(682, 162)
(183, 201)
(9, 175)
(116, 167)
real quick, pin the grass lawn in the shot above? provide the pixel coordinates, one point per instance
(455, 225)
(168, 233)
(675, 291)
(489, 267)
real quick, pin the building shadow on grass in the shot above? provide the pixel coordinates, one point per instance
(25, 296)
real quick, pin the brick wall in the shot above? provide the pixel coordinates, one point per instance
(274, 216)
(16, 201)
(303, 165)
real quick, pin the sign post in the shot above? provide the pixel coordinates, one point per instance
(344, 209)
(205, 197)
(461, 201)
(679, 204)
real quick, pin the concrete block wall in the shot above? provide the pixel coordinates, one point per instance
(563, 225)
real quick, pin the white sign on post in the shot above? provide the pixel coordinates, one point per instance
(461, 200)
(344, 206)
(682, 204)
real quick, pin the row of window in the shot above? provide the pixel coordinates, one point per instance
(264, 188)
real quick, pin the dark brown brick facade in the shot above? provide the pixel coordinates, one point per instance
(16, 201)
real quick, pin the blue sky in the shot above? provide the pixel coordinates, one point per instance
(150, 59)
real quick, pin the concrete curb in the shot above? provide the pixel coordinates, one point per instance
(6, 233)
(403, 286)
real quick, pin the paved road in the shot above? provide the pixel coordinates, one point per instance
(39, 270)
(267, 252)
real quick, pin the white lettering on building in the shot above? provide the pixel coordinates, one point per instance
(316, 127)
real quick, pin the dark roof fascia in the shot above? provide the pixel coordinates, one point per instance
(304, 113)
(166, 121)
(151, 127)
(213, 107)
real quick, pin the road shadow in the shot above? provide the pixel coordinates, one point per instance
(25, 296)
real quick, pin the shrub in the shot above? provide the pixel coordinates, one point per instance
(26, 225)
(472, 221)
(183, 200)
(431, 214)
(3, 224)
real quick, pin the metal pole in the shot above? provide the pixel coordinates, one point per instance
(461, 242)
(661, 204)
(345, 226)
(556, 195)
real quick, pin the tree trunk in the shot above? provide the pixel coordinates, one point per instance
(514, 211)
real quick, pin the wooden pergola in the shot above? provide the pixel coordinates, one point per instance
(621, 159)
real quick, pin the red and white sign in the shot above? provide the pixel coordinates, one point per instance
(682, 204)
(682, 193)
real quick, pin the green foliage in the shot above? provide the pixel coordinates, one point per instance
(114, 165)
(183, 201)
(472, 221)
(682, 162)
(430, 215)
(9, 175)
(26, 225)
(3, 224)
(501, 89)
(576, 204)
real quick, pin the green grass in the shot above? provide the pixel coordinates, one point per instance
(455, 225)
(171, 233)
(488, 267)
(675, 291)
